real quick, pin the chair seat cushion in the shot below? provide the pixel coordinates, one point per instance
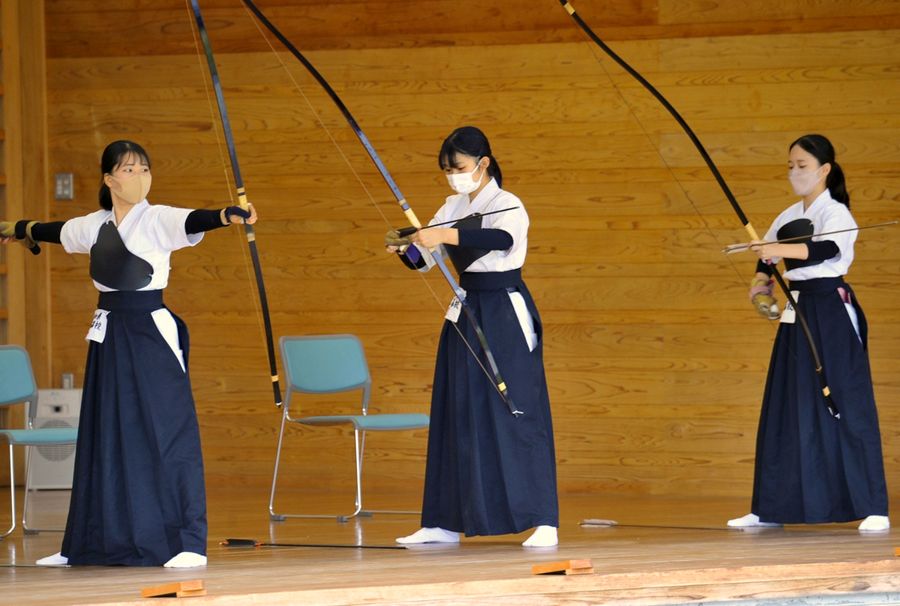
(376, 422)
(37, 437)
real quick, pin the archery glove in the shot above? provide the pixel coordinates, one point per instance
(763, 300)
(21, 231)
(232, 211)
(393, 238)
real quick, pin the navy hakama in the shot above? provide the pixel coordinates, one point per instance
(811, 467)
(489, 472)
(138, 496)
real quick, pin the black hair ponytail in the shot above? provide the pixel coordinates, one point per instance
(823, 151)
(468, 141)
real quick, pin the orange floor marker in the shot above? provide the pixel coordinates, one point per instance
(182, 589)
(564, 567)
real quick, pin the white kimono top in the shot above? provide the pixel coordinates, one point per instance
(150, 232)
(514, 222)
(826, 214)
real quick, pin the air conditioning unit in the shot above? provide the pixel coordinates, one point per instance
(52, 466)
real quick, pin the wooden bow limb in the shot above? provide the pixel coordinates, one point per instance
(726, 190)
(492, 371)
(241, 194)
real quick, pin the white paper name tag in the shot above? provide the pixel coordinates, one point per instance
(789, 316)
(97, 332)
(454, 309)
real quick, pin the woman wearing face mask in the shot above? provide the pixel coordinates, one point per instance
(488, 472)
(810, 467)
(138, 497)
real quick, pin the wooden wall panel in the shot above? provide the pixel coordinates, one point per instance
(24, 295)
(655, 360)
(87, 28)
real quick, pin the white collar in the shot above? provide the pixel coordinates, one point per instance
(487, 194)
(824, 198)
(137, 210)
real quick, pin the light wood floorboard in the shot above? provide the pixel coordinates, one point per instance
(664, 551)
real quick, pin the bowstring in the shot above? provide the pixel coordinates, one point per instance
(318, 118)
(230, 187)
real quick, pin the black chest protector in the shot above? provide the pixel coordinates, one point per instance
(796, 229)
(461, 257)
(114, 266)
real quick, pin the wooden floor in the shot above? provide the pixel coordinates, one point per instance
(664, 551)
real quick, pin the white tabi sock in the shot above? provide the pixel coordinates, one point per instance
(57, 559)
(751, 520)
(543, 536)
(430, 535)
(875, 524)
(186, 559)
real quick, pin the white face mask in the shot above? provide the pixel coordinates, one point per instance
(464, 183)
(133, 189)
(804, 181)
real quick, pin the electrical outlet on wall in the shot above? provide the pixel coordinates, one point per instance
(65, 186)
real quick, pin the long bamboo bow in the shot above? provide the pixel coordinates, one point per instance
(494, 376)
(242, 198)
(820, 371)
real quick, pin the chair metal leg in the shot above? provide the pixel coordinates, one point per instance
(25, 528)
(360, 458)
(371, 512)
(272, 515)
(280, 517)
(12, 494)
(357, 460)
(28, 491)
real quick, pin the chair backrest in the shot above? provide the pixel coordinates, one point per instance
(325, 363)
(16, 378)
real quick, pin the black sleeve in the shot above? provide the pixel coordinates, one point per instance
(822, 251)
(201, 220)
(48, 232)
(763, 268)
(485, 239)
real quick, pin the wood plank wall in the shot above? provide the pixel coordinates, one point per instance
(24, 294)
(656, 362)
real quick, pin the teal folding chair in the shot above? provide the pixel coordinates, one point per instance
(17, 386)
(331, 364)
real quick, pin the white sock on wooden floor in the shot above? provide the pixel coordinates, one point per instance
(543, 536)
(875, 524)
(57, 559)
(430, 535)
(751, 520)
(186, 559)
